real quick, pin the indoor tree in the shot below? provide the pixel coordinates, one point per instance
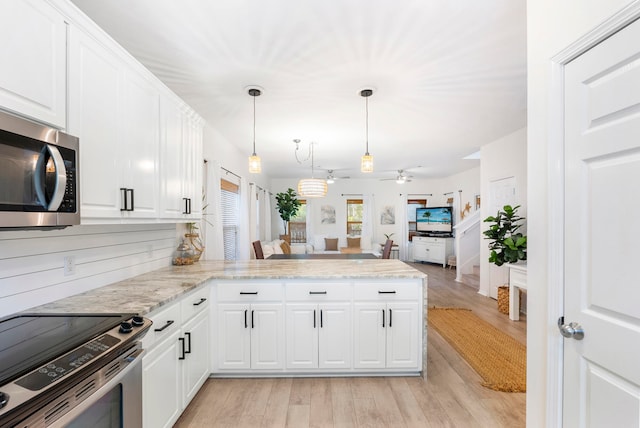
(288, 205)
(507, 244)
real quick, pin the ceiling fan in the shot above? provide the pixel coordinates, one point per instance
(331, 178)
(401, 178)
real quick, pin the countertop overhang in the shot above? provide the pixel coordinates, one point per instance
(147, 292)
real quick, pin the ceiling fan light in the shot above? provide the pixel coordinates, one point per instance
(366, 164)
(330, 180)
(255, 166)
(401, 180)
(312, 188)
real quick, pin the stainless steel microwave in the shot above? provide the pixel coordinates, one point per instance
(38, 175)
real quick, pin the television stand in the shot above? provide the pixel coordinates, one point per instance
(432, 249)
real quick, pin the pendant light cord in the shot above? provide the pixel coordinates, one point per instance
(254, 125)
(366, 99)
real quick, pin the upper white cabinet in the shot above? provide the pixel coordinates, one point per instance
(180, 162)
(33, 72)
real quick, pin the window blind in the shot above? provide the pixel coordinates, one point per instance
(230, 218)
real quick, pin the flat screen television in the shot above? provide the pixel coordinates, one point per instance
(434, 220)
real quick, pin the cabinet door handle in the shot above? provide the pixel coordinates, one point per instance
(253, 293)
(188, 351)
(167, 324)
(245, 318)
(186, 206)
(383, 318)
(132, 203)
(123, 204)
(317, 292)
(386, 292)
(202, 300)
(252, 324)
(189, 205)
(314, 318)
(390, 318)
(321, 323)
(181, 357)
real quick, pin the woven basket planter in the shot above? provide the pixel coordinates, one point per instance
(503, 299)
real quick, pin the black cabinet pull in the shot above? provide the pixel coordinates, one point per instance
(252, 324)
(132, 204)
(188, 351)
(202, 300)
(245, 318)
(123, 205)
(189, 206)
(181, 357)
(186, 206)
(317, 292)
(314, 318)
(321, 318)
(383, 318)
(168, 323)
(390, 317)
(387, 292)
(254, 293)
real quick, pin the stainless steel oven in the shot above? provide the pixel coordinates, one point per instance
(80, 370)
(38, 175)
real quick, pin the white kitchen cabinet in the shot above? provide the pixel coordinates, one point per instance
(181, 162)
(33, 73)
(431, 249)
(318, 326)
(176, 362)
(387, 326)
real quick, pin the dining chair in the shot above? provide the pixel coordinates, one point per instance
(257, 247)
(386, 252)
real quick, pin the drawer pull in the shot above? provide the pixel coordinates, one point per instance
(317, 292)
(165, 326)
(386, 292)
(253, 293)
(202, 300)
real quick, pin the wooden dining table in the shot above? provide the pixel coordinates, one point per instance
(323, 256)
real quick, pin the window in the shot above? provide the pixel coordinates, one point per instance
(298, 224)
(412, 204)
(230, 218)
(354, 217)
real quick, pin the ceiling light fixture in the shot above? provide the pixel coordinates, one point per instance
(366, 164)
(254, 160)
(401, 179)
(311, 187)
(330, 178)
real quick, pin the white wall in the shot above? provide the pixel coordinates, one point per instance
(503, 158)
(551, 26)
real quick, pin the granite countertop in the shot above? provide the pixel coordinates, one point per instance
(147, 292)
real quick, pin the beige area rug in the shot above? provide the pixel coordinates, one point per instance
(498, 358)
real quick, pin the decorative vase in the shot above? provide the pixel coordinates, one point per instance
(196, 245)
(183, 255)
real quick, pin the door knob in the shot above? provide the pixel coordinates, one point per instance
(571, 330)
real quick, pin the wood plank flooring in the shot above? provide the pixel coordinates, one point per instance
(450, 396)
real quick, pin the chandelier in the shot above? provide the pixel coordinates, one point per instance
(310, 187)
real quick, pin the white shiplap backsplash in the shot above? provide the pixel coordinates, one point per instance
(32, 262)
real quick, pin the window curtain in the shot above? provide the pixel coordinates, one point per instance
(253, 212)
(266, 208)
(213, 224)
(244, 243)
(368, 209)
(402, 218)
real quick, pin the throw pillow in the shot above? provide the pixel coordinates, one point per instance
(277, 248)
(353, 242)
(286, 248)
(331, 244)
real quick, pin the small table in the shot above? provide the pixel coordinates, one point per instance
(517, 282)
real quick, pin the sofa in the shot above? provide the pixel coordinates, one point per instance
(324, 244)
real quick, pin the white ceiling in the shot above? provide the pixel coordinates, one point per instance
(449, 76)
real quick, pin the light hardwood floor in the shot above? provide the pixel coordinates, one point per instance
(449, 396)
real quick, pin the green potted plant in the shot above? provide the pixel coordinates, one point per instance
(288, 205)
(507, 244)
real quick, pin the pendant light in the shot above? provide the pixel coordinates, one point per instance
(312, 187)
(366, 164)
(254, 159)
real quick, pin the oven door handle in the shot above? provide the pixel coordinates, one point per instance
(133, 360)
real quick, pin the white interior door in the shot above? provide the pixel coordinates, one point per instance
(602, 232)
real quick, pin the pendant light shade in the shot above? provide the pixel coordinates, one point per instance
(311, 187)
(255, 166)
(366, 163)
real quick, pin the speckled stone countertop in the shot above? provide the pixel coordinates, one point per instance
(145, 293)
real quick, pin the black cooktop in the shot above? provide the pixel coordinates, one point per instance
(30, 340)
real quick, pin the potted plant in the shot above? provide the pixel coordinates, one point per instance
(288, 205)
(507, 244)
